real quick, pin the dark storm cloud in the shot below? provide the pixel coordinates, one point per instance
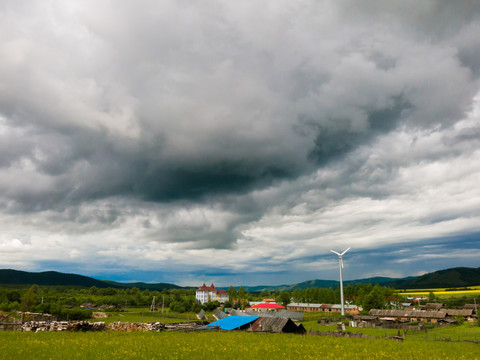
(168, 111)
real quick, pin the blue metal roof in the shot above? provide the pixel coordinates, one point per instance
(231, 322)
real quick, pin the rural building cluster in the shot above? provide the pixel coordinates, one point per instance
(430, 313)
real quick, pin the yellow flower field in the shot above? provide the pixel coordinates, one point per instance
(472, 290)
(220, 345)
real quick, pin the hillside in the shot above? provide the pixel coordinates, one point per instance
(318, 283)
(53, 278)
(143, 285)
(449, 278)
(8, 276)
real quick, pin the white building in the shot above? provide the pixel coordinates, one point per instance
(210, 293)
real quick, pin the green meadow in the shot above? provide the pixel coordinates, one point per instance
(221, 345)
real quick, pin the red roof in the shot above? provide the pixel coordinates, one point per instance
(268, 306)
(222, 292)
(207, 288)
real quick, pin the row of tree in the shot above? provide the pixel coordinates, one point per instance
(49, 298)
(60, 300)
(365, 295)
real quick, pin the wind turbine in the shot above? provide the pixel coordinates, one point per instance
(340, 264)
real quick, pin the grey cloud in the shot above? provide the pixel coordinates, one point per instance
(201, 105)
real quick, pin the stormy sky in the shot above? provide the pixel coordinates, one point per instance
(238, 142)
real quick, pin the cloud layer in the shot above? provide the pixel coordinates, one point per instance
(213, 139)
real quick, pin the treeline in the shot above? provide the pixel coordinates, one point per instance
(365, 295)
(65, 301)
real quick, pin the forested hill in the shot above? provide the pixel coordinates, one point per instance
(8, 276)
(143, 285)
(53, 278)
(449, 278)
(323, 284)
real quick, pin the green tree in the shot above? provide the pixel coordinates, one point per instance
(284, 298)
(14, 295)
(211, 305)
(28, 299)
(232, 294)
(375, 299)
(93, 290)
(241, 293)
(349, 291)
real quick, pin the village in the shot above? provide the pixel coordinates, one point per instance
(257, 312)
(268, 315)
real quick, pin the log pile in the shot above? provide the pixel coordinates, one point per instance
(190, 326)
(128, 326)
(86, 326)
(118, 326)
(37, 326)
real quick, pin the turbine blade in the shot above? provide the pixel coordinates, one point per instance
(335, 252)
(345, 251)
(341, 262)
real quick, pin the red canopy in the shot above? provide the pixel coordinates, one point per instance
(268, 306)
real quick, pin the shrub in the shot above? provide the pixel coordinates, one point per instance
(460, 320)
(14, 306)
(76, 314)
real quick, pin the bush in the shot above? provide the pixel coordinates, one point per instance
(14, 306)
(211, 305)
(178, 306)
(460, 320)
(76, 314)
(43, 308)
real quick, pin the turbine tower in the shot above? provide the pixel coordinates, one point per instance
(340, 263)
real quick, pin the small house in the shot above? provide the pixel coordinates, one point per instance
(276, 325)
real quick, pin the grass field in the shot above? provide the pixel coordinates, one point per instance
(237, 345)
(220, 345)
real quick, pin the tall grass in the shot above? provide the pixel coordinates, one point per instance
(220, 345)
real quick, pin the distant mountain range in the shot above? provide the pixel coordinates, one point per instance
(53, 278)
(455, 277)
(323, 284)
(449, 278)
